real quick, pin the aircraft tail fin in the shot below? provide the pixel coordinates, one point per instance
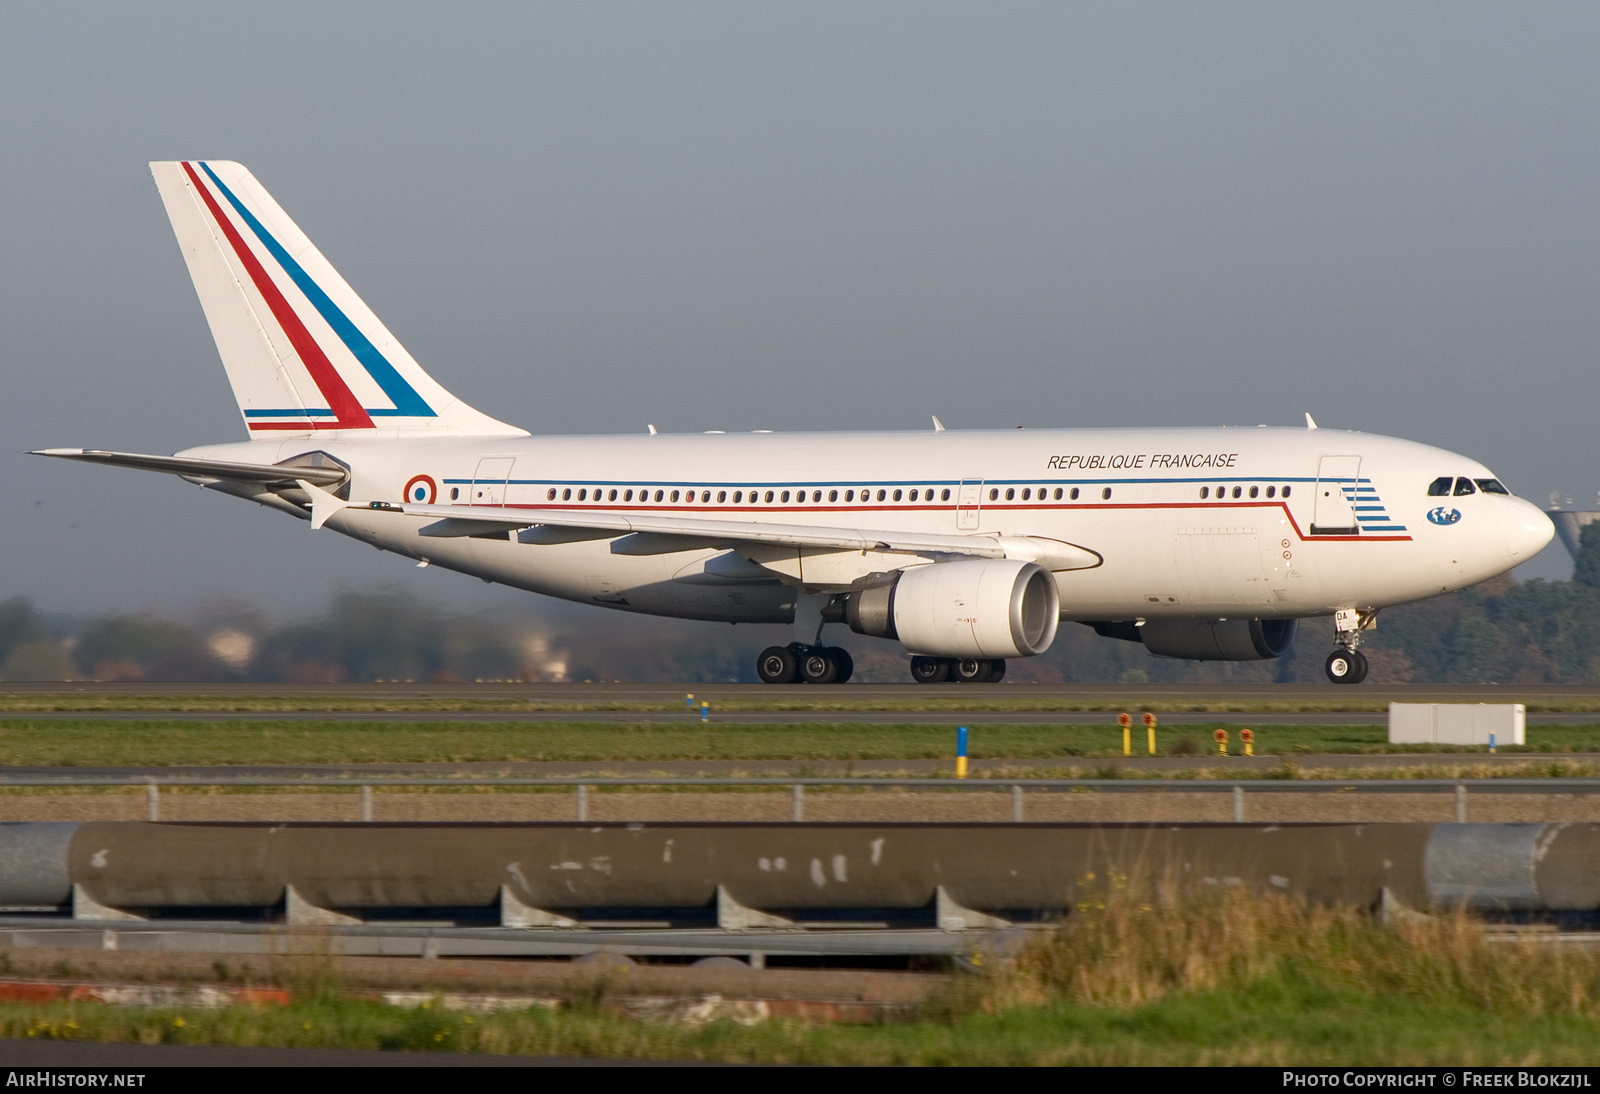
(304, 354)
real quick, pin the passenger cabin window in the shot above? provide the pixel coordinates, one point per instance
(944, 495)
(1106, 494)
(769, 497)
(1488, 486)
(1205, 492)
(566, 495)
(1010, 493)
(1440, 488)
(550, 495)
(882, 494)
(1285, 491)
(1271, 490)
(1058, 493)
(627, 495)
(849, 495)
(1074, 493)
(994, 495)
(456, 493)
(1464, 486)
(897, 495)
(659, 495)
(833, 495)
(1255, 491)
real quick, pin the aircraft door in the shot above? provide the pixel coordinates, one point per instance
(1338, 479)
(489, 481)
(969, 501)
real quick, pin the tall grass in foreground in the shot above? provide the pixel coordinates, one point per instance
(1122, 950)
(1221, 978)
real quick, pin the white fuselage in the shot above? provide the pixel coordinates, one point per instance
(1324, 519)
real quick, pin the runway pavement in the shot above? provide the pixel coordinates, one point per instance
(1065, 696)
(764, 717)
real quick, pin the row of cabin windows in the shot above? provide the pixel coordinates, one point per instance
(1044, 493)
(1439, 488)
(756, 497)
(1239, 492)
(1444, 486)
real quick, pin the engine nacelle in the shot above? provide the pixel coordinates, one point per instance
(1219, 640)
(976, 608)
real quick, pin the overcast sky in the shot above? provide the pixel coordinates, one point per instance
(587, 217)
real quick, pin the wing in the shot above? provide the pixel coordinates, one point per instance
(763, 542)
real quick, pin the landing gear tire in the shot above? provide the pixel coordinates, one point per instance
(930, 670)
(818, 666)
(778, 665)
(846, 663)
(977, 670)
(1346, 666)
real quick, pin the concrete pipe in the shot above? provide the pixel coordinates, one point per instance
(1514, 867)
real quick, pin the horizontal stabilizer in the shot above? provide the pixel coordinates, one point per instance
(190, 468)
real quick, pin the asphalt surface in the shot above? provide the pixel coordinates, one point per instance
(1063, 694)
(758, 717)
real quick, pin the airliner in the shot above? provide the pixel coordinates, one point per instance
(967, 547)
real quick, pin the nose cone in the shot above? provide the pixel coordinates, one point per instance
(1528, 530)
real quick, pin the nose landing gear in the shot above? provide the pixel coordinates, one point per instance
(1347, 664)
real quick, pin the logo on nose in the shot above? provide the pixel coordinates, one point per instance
(1442, 515)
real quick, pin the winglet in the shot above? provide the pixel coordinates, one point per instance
(938, 426)
(1311, 423)
(323, 504)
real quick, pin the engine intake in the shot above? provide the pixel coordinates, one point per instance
(977, 608)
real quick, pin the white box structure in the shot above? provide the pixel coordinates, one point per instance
(1457, 723)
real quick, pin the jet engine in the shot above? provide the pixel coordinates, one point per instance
(1209, 639)
(975, 608)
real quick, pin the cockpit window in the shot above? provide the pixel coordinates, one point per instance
(1464, 486)
(1491, 486)
(1440, 488)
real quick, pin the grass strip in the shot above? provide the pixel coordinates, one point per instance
(1134, 976)
(93, 742)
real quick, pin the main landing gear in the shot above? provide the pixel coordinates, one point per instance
(965, 670)
(1347, 664)
(798, 663)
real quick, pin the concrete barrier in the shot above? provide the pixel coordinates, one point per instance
(1458, 723)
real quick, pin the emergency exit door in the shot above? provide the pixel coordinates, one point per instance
(489, 481)
(969, 501)
(1338, 481)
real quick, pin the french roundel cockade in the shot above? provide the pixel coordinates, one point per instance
(421, 490)
(967, 548)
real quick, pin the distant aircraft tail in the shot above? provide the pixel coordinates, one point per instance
(303, 353)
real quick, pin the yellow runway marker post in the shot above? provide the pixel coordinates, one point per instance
(1126, 722)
